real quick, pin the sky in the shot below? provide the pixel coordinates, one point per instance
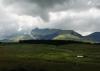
(17, 16)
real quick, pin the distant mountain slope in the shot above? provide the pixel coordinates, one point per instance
(44, 34)
(16, 38)
(94, 36)
(55, 34)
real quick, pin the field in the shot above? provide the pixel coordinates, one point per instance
(49, 57)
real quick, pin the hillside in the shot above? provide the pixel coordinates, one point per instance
(16, 38)
(94, 36)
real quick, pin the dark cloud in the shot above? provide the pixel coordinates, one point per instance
(33, 7)
(42, 7)
(42, 3)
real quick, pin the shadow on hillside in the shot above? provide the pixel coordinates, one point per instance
(54, 42)
(51, 42)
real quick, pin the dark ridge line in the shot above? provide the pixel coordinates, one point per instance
(56, 42)
(51, 42)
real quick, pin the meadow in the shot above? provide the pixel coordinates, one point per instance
(49, 57)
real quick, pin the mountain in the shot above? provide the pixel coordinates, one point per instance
(68, 35)
(52, 34)
(44, 34)
(94, 36)
(16, 38)
(55, 34)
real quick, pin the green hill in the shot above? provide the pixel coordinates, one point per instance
(66, 37)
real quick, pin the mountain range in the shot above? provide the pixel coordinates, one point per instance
(53, 34)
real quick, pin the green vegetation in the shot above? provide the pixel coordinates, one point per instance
(44, 57)
(66, 37)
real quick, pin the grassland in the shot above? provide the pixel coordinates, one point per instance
(48, 57)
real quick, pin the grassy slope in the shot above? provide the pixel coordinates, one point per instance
(66, 37)
(43, 57)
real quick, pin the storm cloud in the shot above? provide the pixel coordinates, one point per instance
(24, 15)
